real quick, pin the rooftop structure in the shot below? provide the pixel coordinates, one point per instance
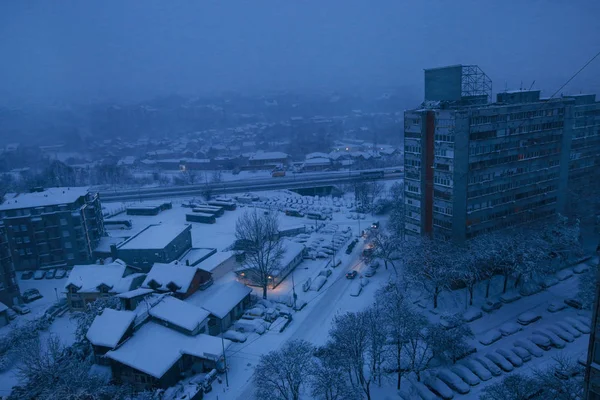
(108, 328)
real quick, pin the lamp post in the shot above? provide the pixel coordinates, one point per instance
(224, 357)
(294, 288)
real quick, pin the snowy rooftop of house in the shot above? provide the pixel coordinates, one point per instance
(215, 260)
(49, 197)
(317, 161)
(106, 241)
(316, 155)
(221, 299)
(109, 327)
(185, 160)
(292, 249)
(196, 255)
(135, 293)
(179, 313)
(268, 155)
(164, 274)
(87, 278)
(153, 349)
(3, 307)
(154, 236)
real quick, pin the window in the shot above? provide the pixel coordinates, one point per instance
(26, 239)
(66, 234)
(68, 245)
(63, 221)
(21, 252)
(24, 228)
(70, 256)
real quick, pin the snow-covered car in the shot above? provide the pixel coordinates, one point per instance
(581, 268)
(234, 336)
(22, 310)
(522, 353)
(370, 272)
(530, 346)
(564, 274)
(453, 381)
(491, 305)
(530, 288)
(31, 295)
(509, 328)
(250, 326)
(490, 337)
(472, 314)
(326, 273)
(438, 387)
(478, 370)
(541, 341)
(584, 320)
(27, 275)
(511, 356)
(554, 339)
(450, 321)
(318, 283)
(60, 273)
(500, 361)
(39, 274)
(489, 365)
(582, 359)
(569, 328)
(50, 274)
(556, 305)
(364, 281)
(11, 314)
(356, 289)
(549, 282)
(576, 304)
(561, 333)
(509, 297)
(422, 391)
(528, 317)
(466, 374)
(374, 264)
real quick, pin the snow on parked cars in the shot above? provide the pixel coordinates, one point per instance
(489, 365)
(511, 356)
(509, 328)
(490, 337)
(438, 387)
(530, 346)
(500, 361)
(466, 374)
(554, 339)
(561, 333)
(556, 305)
(453, 381)
(478, 369)
(522, 353)
(528, 317)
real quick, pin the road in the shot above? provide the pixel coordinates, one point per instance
(259, 184)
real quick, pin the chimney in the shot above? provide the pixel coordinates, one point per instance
(113, 251)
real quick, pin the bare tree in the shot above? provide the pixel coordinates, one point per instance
(419, 345)
(281, 374)
(377, 349)
(386, 248)
(588, 287)
(396, 221)
(329, 379)
(430, 265)
(513, 387)
(563, 380)
(258, 235)
(453, 342)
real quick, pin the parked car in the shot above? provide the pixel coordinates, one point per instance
(22, 310)
(27, 275)
(556, 306)
(11, 314)
(491, 305)
(574, 303)
(370, 272)
(528, 317)
(50, 274)
(60, 273)
(39, 274)
(31, 295)
(541, 341)
(374, 264)
(351, 275)
(356, 289)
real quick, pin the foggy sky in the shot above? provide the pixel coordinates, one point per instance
(129, 50)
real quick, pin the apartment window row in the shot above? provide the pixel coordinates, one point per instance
(441, 152)
(440, 180)
(488, 119)
(492, 162)
(511, 185)
(535, 114)
(539, 153)
(536, 127)
(442, 223)
(443, 210)
(413, 188)
(412, 149)
(412, 163)
(440, 194)
(444, 138)
(442, 167)
(483, 135)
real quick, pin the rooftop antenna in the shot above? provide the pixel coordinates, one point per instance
(505, 86)
(521, 88)
(531, 84)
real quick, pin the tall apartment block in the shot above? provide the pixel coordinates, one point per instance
(52, 227)
(472, 166)
(9, 289)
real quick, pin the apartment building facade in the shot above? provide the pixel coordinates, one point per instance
(472, 166)
(52, 227)
(9, 288)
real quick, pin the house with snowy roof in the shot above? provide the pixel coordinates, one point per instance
(225, 303)
(156, 356)
(179, 279)
(262, 159)
(180, 316)
(86, 283)
(108, 330)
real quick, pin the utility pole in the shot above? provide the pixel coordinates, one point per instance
(294, 289)
(224, 357)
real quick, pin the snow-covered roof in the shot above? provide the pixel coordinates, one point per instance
(195, 255)
(105, 243)
(316, 155)
(155, 237)
(164, 274)
(292, 250)
(317, 161)
(215, 260)
(48, 197)
(109, 327)
(135, 293)
(222, 299)
(87, 278)
(268, 155)
(153, 349)
(3, 307)
(179, 313)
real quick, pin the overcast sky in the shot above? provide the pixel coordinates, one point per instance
(129, 50)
